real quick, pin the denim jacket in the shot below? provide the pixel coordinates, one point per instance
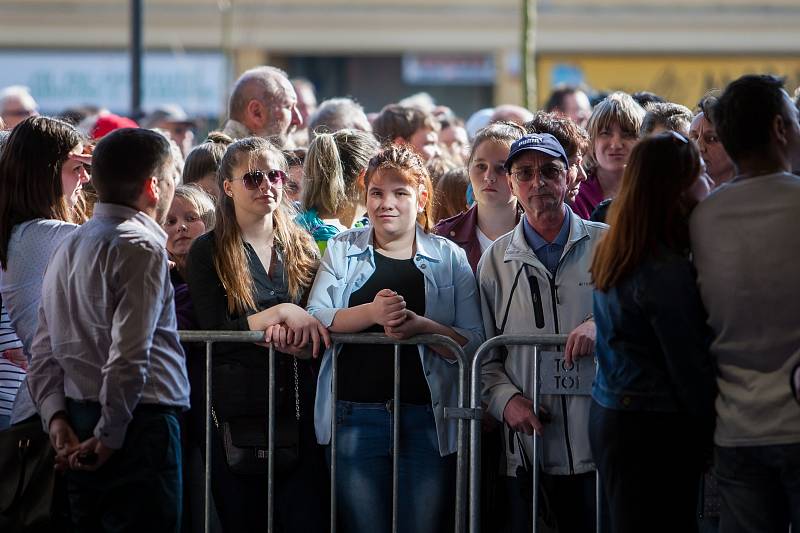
(451, 299)
(653, 341)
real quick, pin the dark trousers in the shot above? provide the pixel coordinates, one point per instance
(650, 465)
(759, 487)
(565, 501)
(140, 488)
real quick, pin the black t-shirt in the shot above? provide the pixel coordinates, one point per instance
(366, 372)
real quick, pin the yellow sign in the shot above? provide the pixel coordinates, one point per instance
(681, 79)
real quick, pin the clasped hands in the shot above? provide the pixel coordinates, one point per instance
(389, 310)
(71, 453)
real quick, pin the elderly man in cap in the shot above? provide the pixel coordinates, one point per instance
(535, 280)
(263, 104)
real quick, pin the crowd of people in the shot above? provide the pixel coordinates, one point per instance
(659, 239)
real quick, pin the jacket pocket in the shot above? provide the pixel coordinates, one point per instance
(536, 301)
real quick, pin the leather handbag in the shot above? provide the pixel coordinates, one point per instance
(244, 439)
(27, 485)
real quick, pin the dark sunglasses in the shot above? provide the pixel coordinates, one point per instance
(253, 179)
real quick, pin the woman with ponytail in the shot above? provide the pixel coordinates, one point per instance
(333, 191)
(394, 277)
(250, 273)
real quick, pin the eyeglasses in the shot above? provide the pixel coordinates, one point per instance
(547, 172)
(253, 179)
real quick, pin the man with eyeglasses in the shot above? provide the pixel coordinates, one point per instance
(535, 280)
(16, 104)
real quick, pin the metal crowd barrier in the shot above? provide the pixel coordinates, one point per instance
(538, 342)
(460, 412)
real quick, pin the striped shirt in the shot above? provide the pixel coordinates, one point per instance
(11, 375)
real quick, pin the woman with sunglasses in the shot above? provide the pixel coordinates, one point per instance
(652, 415)
(250, 273)
(394, 277)
(333, 189)
(41, 174)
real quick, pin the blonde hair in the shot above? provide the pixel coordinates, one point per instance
(201, 201)
(334, 162)
(618, 108)
(301, 255)
(405, 161)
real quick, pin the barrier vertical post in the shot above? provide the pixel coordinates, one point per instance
(396, 437)
(536, 440)
(334, 425)
(271, 441)
(207, 466)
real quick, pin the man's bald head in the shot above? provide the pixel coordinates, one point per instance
(264, 101)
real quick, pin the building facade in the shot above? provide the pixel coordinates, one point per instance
(466, 53)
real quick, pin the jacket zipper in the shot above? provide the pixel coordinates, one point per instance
(554, 299)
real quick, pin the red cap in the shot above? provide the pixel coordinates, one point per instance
(109, 122)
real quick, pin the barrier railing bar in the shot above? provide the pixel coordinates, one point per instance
(212, 336)
(396, 438)
(475, 404)
(379, 338)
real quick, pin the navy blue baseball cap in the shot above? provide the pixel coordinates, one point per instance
(541, 142)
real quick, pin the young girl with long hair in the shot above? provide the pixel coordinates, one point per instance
(495, 212)
(250, 273)
(652, 414)
(394, 277)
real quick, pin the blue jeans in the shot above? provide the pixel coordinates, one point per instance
(759, 487)
(426, 488)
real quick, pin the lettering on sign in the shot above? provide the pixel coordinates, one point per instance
(558, 378)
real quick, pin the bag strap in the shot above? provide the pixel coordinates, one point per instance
(296, 396)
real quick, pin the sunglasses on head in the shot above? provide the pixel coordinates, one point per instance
(253, 179)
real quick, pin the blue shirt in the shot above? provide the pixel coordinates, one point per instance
(451, 299)
(549, 253)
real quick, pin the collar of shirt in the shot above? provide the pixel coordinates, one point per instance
(107, 210)
(537, 242)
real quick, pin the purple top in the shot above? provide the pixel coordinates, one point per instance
(589, 195)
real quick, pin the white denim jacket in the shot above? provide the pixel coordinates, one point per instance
(451, 299)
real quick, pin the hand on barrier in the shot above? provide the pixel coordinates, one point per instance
(412, 324)
(389, 308)
(580, 342)
(63, 440)
(90, 455)
(17, 357)
(518, 414)
(297, 329)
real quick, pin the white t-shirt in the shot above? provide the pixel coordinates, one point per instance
(745, 241)
(483, 240)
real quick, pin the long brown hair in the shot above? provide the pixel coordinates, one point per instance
(650, 210)
(301, 255)
(409, 164)
(30, 174)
